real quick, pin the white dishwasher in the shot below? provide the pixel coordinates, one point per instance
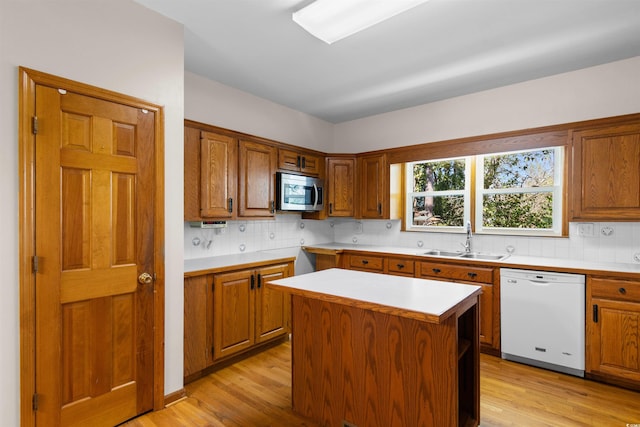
(543, 319)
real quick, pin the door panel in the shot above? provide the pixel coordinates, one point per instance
(94, 233)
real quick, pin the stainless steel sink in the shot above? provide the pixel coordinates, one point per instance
(438, 252)
(481, 256)
(467, 255)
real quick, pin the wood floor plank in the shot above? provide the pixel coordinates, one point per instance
(256, 392)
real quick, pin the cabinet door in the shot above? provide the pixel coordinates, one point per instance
(234, 312)
(257, 179)
(613, 339)
(219, 175)
(486, 314)
(373, 187)
(299, 162)
(198, 322)
(272, 306)
(340, 186)
(606, 173)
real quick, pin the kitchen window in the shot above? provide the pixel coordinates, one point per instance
(518, 192)
(439, 194)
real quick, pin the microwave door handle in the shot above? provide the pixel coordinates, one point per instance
(315, 198)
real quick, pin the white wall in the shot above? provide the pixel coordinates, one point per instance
(606, 90)
(117, 45)
(213, 103)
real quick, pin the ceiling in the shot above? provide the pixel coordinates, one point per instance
(438, 50)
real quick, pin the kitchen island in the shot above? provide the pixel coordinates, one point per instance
(377, 350)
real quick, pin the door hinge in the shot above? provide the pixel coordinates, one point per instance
(34, 125)
(36, 263)
(34, 401)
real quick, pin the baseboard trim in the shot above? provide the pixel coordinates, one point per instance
(175, 397)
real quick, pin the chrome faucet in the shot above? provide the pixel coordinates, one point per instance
(467, 243)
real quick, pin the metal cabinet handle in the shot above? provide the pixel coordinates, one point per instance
(330, 208)
(472, 274)
(298, 161)
(365, 262)
(230, 203)
(379, 208)
(436, 270)
(595, 313)
(259, 281)
(622, 291)
(304, 163)
(400, 266)
(253, 282)
(273, 207)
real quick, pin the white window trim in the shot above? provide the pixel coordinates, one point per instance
(466, 193)
(556, 190)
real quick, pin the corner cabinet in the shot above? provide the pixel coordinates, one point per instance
(230, 312)
(613, 330)
(606, 173)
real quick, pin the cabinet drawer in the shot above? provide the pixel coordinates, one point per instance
(370, 263)
(456, 272)
(401, 266)
(623, 290)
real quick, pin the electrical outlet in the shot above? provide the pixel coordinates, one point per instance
(606, 231)
(585, 229)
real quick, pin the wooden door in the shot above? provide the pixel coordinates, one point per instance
(234, 312)
(257, 179)
(94, 241)
(341, 182)
(272, 306)
(218, 176)
(373, 187)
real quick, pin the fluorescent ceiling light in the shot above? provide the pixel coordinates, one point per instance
(332, 20)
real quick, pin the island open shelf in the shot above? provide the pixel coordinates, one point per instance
(377, 350)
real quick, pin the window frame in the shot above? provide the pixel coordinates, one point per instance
(466, 193)
(558, 190)
(473, 209)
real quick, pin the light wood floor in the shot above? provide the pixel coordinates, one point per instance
(257, 392)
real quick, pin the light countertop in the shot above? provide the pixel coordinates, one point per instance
(430, 300)
(211, 264)
(514, 261)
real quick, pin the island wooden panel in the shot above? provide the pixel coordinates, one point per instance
(370, 368)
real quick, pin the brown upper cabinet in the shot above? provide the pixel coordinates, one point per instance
(257, 179)
(219, 171)
(226, 177)
(606, 173)
(299, 162)
(372, 192)
(340, 186)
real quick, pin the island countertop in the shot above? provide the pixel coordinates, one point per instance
(427, 300)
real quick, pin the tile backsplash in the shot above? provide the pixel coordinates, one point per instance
(602, 242)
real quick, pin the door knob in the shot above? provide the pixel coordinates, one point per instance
(145, 278)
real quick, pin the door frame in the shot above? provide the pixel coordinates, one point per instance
(28, 79)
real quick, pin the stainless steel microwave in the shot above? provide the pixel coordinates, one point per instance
(299, 193)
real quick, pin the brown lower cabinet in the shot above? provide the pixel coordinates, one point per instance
(613, 330)
(482, 275)
(231, 312)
